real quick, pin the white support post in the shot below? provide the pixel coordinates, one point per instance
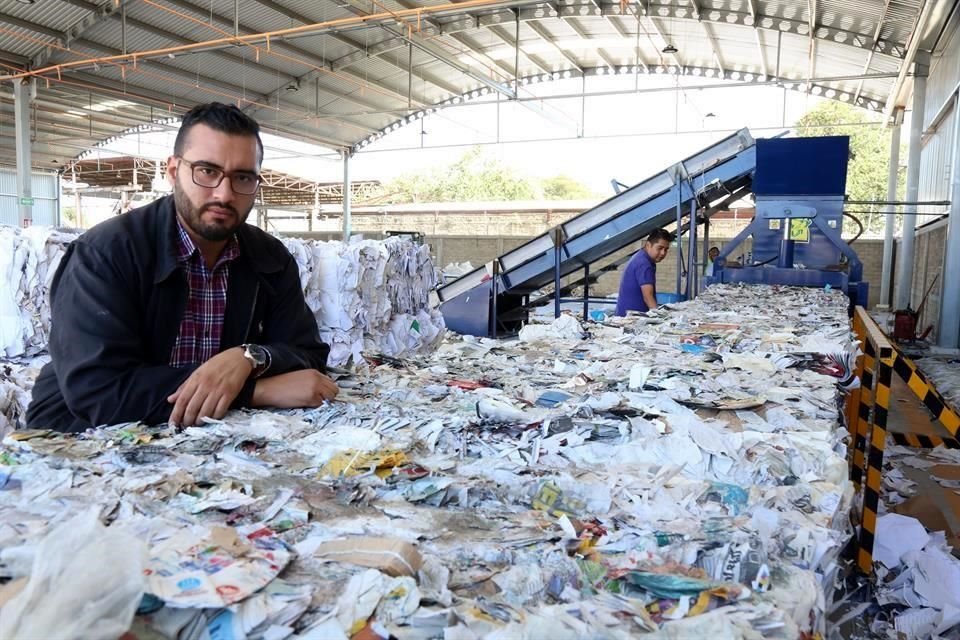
(346, 195)
(23, 95)
(890, 219)
(905, 259)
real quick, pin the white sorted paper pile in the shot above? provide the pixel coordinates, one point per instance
(28, 261)
(369, 296)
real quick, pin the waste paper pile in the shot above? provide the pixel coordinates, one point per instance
(28, 261)
(367, 295)
(678, 475)
(914, 592)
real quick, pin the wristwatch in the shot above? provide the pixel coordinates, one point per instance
(258, 356)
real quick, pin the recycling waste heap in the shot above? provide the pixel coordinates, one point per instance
(676, 475)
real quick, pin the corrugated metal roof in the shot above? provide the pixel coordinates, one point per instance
(361, 68)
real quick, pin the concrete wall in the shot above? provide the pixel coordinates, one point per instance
(927, 267)
(447, 249)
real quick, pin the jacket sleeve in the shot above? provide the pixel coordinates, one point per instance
(96, 345)
(290, 328)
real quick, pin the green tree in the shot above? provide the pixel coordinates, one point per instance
(563, 187)
(869, 154)
(474, 177)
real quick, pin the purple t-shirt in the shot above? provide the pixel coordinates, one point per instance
(640, 270)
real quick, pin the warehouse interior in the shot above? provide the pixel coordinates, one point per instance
(768, 448)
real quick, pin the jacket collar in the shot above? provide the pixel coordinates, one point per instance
(253, 250)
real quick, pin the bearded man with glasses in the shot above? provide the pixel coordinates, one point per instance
(179, 310)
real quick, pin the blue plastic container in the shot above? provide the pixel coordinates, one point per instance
(668, 298)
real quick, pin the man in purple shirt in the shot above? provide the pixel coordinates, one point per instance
(638, 287)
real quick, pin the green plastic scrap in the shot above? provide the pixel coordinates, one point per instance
(668, 586)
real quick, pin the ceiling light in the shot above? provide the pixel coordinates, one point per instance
(293, 87)
(26, 1)
(670, 49)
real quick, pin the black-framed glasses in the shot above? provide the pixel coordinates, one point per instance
(204, 175)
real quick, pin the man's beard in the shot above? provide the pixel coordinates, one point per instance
(192, 217)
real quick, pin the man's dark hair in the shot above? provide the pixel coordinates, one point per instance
(225, 118)
(659, 234)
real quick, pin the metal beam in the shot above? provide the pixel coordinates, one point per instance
(772, 23)
(663, 37)
(306, 56)
(894, 99)
(709, 34)
(812, 48)
(876, 37)
(303, 19)
(113, 88)
(432, 49)
(579, 30)
(297, 51)
(762, 54)
(501, 33)
(546, 37)
(625, 34)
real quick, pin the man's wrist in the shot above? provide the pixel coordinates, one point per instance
(259, 358)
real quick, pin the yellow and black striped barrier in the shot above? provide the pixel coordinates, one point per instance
(934, 402)
(919, 441)
(870, 407)
(866, 413)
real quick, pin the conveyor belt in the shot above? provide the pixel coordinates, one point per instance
(492, 299)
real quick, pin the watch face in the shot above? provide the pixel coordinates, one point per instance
(259, 354)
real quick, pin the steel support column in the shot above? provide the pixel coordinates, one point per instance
(24, 91)
(905, 259)
(586, 292)
(706, 243)
(557, 259)
(346, 195)
(948, 333)
(679, 241)
(890, 219)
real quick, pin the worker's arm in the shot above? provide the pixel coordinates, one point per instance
(649, 295)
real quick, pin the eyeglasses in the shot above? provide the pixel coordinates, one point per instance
(242, 182)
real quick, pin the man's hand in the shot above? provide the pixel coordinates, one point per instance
(305, 388)
(211, 389)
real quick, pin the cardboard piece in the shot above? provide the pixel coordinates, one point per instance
(925, 508)
(392, 557)
(946, 471)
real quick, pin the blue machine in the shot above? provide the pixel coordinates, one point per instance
(793, 179)
(798, 188)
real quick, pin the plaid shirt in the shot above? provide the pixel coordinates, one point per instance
(202, 325)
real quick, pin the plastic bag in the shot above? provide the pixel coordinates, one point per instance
(86, 582)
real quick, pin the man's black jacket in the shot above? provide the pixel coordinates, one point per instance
(117, 300)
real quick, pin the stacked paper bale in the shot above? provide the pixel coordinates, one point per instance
(28, 262)
(367, 295)
(370, 296)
